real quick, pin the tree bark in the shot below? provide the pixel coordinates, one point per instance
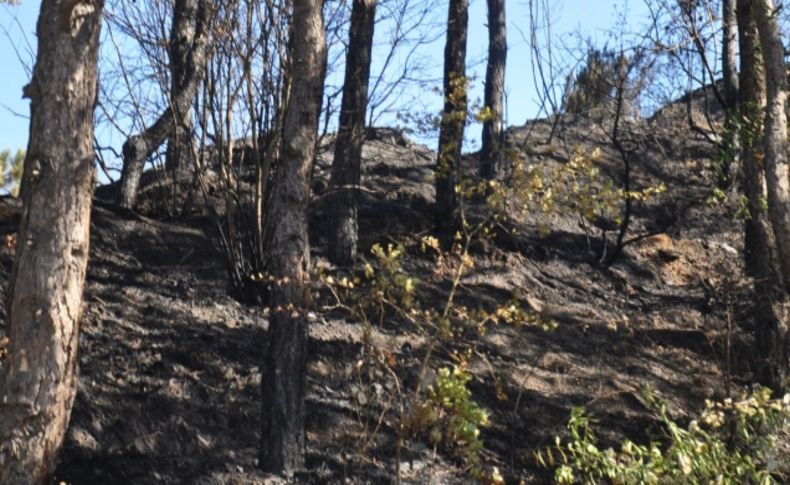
(729, 56)
(283, 439)
(772, 341)
(451, 131)
(758, 243)
(775, 132)
(189, 56)
(343, 224)
(492, 151)
(38, 380)
(188, 15)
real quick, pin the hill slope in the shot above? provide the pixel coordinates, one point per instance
(169, 386)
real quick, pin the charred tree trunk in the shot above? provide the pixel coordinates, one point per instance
(772, 341)
(38, 379)
(758, 242)
(189, 55)
(343, 224)
(187, 16)
(492, 151)
(775, 131)
(283, 438)
(729, 61)
(451, 132)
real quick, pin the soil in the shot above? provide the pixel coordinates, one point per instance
(170, 377)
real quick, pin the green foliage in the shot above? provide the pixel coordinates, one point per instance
(576, 187)
(11, 168)
(733, 442)
(453, 417)
(440, 407)
(596, 82)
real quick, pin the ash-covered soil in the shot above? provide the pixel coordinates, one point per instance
(169, 388)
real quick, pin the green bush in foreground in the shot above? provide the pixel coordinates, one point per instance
(733, 442)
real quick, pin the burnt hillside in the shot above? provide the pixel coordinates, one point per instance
(170, 379)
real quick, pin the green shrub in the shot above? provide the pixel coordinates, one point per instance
(733, 442)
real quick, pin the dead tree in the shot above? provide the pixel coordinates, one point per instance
(492, 149)
(189, 45)
(451, 132)
(38, 379)
(343, 224)
(282, 436)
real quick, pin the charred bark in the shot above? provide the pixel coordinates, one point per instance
(189, 55)
(772, 340)
(283, 438)
(729, 60)
(343, 224)
(492, 151)
(451, 132)
(758, 242)
(38, 379)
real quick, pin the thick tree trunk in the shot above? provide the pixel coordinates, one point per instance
(187, 18)
(343, 225)
(38, 379)
(189, 56)
(451, 131)
(775, 132)
(492, 151)
(758, 242)
(729, 56)
(773, 342)
(283, 438)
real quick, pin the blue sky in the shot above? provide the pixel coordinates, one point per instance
(591, 18)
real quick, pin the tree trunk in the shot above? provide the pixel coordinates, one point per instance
(189, 56)
(775, 136)
(38, 380)
(451, 132)
(729, 57)
(343, 225)
(283, 439)
(187, 18)
(729, 60)
(492, 150)
(773, 342)
(758, 243)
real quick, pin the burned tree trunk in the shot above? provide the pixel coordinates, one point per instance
(775, 131)
(343, 224)
(189, 55)
(758, 242)
(282, 437)
(38, 379)
(729, 61)
(492, 150)
(772, 340)
(187, 17)
(451, 132)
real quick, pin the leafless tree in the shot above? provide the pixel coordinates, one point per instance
(189, 51)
